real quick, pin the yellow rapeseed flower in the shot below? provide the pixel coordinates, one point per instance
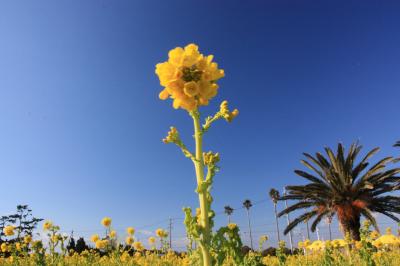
(152, 240)
(232, 226)
(129, 240)
(101, 244)
(138, 246)
(47, 225)
(8, 230)
(161, 233)
(374, 234)
(94, 238)
(113, 234)
(27, 239)
(130, 230)
(316, 245)
(4, 247)
(388, 239)
(106, 221)
(188, 77)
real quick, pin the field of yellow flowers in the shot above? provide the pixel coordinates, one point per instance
(372, 249)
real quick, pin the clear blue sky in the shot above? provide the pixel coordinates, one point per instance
(81, 124)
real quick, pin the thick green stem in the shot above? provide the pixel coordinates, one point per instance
(199, 166)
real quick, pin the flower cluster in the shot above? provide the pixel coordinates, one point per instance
(8, 230)
(226, 114)
(106, 221)
(161, 233)
(47, 225)
(232, 226)
(172, 136)
(210, 158)
(188, 77)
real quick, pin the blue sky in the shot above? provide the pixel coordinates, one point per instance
(81, 122)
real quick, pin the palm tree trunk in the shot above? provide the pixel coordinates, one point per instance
(277, 224)
(288, 222)
(229, 219)
(352, 226)
(330, 231)
(251, 236)
(308, 231)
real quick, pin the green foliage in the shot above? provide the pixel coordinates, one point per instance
(280, 253)
(226, 243)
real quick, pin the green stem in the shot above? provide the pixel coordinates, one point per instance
(199, 166)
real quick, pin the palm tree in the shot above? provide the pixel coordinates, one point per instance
(344, 188)
(247, 204)
(397, 144)
(274, 195)
(228, 211)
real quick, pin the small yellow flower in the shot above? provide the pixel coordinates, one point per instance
(47, 225)
(8, 230)
(138, 246)
(27, 239)
(101, 244)
(129, 240)
(161, 233)
(4, 247)
(18, 246)
(374, 234)
(232, 226)
(106, 221)
(378, 244)
(94, 238)
(130, 231)
(152, 240)
(113, 234)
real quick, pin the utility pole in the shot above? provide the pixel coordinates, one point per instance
(288, 222)
(330, 231)
(170, 233)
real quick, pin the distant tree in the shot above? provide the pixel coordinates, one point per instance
(71, 244)
(228, 212)
(23, 221)
(81, 245)
(247, 205)
(274, 195)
